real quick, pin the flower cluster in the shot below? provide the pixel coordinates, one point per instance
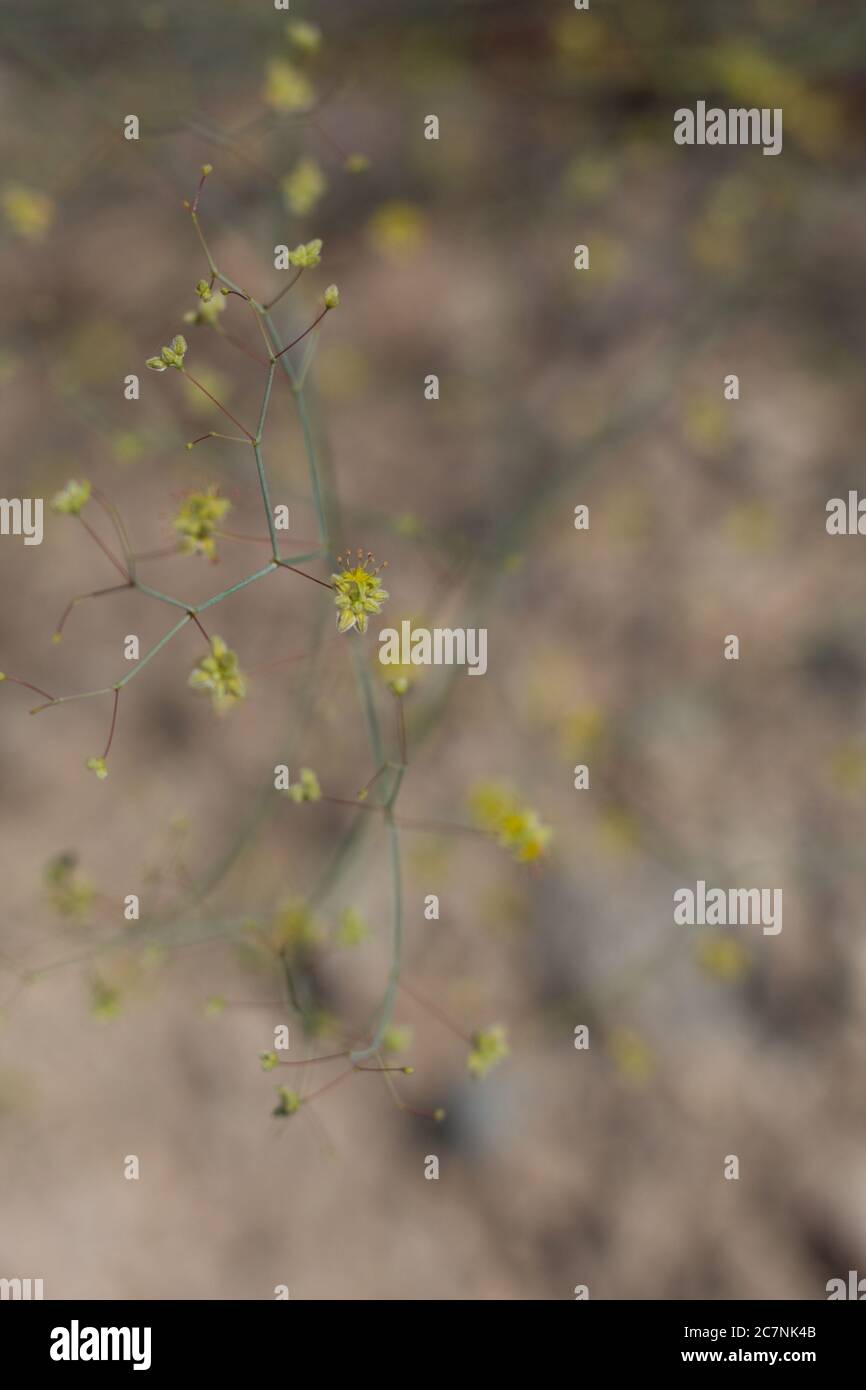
(197, 519)
(307, 788)
(489, 1046)
(170, 356)
(357, 592)
(219, 676)
(307, 254)
(71, 498)
(517, 828)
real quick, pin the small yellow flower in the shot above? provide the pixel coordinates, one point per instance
(516, 828)
(294, 929)
(302, 188)
(306, 37)
(396, 229)
(197, 519)
(71, 498)
(215, 1005)
(331, 297)
(286, 87)
(170, 356)
(307, 254)
(489, 1046)
(307, 788)
(288, 1102)
(219, 676)
(28, 212)
(352, 930)
(268, 1060)
(724, 957)
(205, 314)
(356, 164)
(357, 592)
(396, 1040)
(98, 766)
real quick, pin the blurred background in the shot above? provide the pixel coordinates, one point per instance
(605, 1166)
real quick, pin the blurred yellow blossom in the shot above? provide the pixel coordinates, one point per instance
(28, 212)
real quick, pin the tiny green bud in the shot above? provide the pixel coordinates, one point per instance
(98, 766)
(332, 297)
(207, 169)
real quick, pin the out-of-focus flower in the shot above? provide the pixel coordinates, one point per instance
(286, 87)
(352, 930)
(218, 675)
(396, 229)
(206, 313)
(294, 928)
(302, 188)
(489, 1047)
(307, 787)
(358, 592)
(303, 35)
(70, 499)
(197, 519)
(517, 828)
(98, 766)
(288, 1102)
(28, 212)
(631, 1055)
(723, 956)
(396, 1041)
(69, 892)
(356, 164)
(104, 1000)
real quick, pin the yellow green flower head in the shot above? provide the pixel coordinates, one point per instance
(286, 87)
(268, 1060)
(219, 676)
(205, 313)
(307, 788)
(98, 766)
(489, 1046)
(352, 930)
(71, 498)
(288, 1102)
(303, 187)
(396, 1040)
(170, 356)
(27, 211)
(724, 957)
(69, 892)
(307, 254)
(331, 297)
(215, 1005)
(357, 591)
(356, 164)
(203, 290)
(104, 1000)
(306, 37)
(516, 828)
(197, 519)
(294, 928)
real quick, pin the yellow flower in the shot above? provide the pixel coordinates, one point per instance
(288, 1102)
(98, 766)
(286, 87)
(28, 212)
(304, 36)
(307, 788)
(294, 929)
(219, 676)
(303, 187)
(397, 229)
(357, 592)
(196, 521)
(71, 498)
(169, 356)
(331, 297)
(307, 254)
(724, 957)
(489, 1046)
(352, 931)
(516, 828)
(206, 312)
(268, 1060)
